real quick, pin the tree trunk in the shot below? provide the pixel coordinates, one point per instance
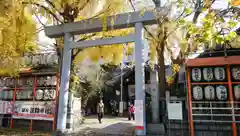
(161, 69)
(161, 77)
(84, 104)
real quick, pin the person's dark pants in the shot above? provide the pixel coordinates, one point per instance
(100, 116)
(131, 116)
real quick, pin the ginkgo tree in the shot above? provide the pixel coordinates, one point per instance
(67, 11)
(188, 26)
(17, 35)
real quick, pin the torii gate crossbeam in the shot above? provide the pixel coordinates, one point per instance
(126, 20)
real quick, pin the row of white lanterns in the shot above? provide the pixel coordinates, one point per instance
(41, 59)
(47, 80)
(210, 93)
(41, 81)
(208, 74)
(219, 73)
(47, 94)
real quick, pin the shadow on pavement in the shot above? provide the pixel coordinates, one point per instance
(94, 116)
(111, 130)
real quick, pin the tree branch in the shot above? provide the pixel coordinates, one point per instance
(39, 29)
(51, 3)
(130, 1)
(45, 8)
(149, 33)
(39, 20)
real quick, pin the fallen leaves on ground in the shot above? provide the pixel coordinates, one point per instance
(17, 132)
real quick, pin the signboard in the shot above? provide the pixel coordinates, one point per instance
(33, 110)
(77, 107)
(175, 111)
(121, 107)
(5, 107)
(139, 113)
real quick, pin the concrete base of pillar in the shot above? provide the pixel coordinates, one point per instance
(60, 133)
(155, 129)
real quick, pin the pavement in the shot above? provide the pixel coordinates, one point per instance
(110, 126)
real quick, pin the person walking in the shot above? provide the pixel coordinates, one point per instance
(131, 112)
(100, 111)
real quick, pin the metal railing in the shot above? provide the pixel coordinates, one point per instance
(215, 111)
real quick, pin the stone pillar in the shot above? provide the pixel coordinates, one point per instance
(154, 96)
(140, 81)
(64, 85)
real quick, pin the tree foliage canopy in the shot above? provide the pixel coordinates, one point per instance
(187, 27)
(193, 25)
(66, 11)
(17, 35)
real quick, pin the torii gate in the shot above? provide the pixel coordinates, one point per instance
(126, 20)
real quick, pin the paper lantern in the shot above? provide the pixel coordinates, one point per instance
(37, 59)
(196, 74)
(197, 93)
(40, 81)
(54, 80)
(43, 59)
(221, 92)
(30, 81)
(34, 60)
(48, 59)
(7, 82)
(1, 94)
(45, 81)
(11, 82)
(5, 95)
(39, 94)
(208, 74)
(52, 94)
(237, 92)
(29, 94)
(18, 95)
(209, 92)
(55, 59)
(10, 94)
(49, 80)
(4, 82)
(46, 95)
(28, 60)
(236, 73)
(219, 73)
(1, 82)
(24, 94)
(20, 81)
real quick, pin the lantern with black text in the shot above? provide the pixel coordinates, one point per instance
(237, 92)
(209, 92)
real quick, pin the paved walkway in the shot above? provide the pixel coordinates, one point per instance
(111, 126)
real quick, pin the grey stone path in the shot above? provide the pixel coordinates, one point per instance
(111, 126)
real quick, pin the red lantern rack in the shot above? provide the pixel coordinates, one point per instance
(35, 76)
(231, 105)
